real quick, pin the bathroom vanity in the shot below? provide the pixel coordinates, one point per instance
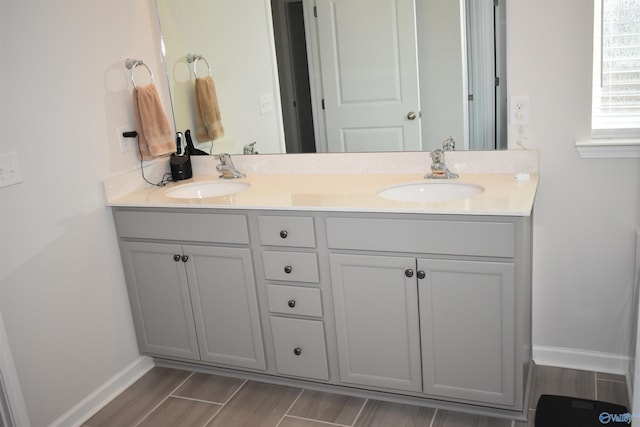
(320, 283)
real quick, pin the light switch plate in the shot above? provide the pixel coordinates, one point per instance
(266, 103)
(9, 169)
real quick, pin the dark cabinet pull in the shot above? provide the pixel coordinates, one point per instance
(291, 303)
(297, 351)
(176, 257)
(284, 234)
(185, 258)
(408, 272)
(288, 269)
(421, 274)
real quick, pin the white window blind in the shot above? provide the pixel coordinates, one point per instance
(616, 69)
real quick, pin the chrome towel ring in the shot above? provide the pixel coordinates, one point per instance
(131, 65)
(193, 59)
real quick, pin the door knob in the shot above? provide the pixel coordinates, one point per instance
(176, 258)
(411, 115)
(421, 274)
(408, 272)
(185, 258)
(297, 351)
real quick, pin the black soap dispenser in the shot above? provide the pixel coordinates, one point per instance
(180, 163)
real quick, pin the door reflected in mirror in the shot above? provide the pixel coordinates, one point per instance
(341, 75)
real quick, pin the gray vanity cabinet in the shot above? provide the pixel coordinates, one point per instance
(376, 312)
(467, 328)
(193, 298)
(436, 305)
(225, 306)
(160, 301)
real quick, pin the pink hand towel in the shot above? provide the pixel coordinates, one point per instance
(207, 111)
(155, 136)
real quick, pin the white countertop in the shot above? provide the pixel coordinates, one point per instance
(503, 194)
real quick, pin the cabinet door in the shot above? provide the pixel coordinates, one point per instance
(467, 325)
(376, 310)
(160, 302)
(225, 306)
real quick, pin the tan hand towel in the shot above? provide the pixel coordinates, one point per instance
(207, 110)
(155, 135)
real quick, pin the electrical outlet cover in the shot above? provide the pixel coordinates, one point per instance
(519, 111)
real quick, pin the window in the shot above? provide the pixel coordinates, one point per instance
(616, 69)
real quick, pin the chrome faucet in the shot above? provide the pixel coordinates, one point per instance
(250, 148)
(449, 144)
(226, 167)
(438, 169)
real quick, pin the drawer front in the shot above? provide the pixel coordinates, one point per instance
(291, 266)
(494, 239)
(300, 348)
(193, 227)
(294, 300)
(287, 231)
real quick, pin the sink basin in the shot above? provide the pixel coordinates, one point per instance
(431, 191)
(201, 190)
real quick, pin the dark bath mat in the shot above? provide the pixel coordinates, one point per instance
(562, 411)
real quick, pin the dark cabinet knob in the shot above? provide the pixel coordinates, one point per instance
(176, 257)
(291, 303)
(288, 269)
(421, 274)
(297, 351)
(185, 258)
(284, 234)
(408, 272)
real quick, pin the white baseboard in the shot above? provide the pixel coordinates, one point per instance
(105, 393)
(581, 359)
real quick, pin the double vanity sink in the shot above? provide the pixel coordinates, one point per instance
(389, 286)
(431, 191)
(471, 194)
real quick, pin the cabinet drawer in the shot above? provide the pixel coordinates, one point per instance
(300, 348)
(287, 231)
(473, 238)
(294, 300)
(291, 266)
(192, 227)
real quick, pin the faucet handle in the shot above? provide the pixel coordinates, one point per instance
(225, 158)
(437, 156)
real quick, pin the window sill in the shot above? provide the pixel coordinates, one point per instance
(627, 148)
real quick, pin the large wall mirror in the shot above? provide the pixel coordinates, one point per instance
(340, 75)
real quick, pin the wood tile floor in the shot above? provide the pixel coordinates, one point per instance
(177, 398)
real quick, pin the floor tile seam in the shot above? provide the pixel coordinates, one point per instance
(193, 399)
(316, 421)
(222, 405)
(164, 400)
(213, 416)
(433, 417)
(235, 392)
(290, 406)
(355, 420)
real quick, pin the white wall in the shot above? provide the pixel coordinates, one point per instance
(587, 209)
(64, 91)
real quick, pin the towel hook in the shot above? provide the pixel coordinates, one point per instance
(193, 59)
(131, 64)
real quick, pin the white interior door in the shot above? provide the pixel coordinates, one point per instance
(368, 55)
